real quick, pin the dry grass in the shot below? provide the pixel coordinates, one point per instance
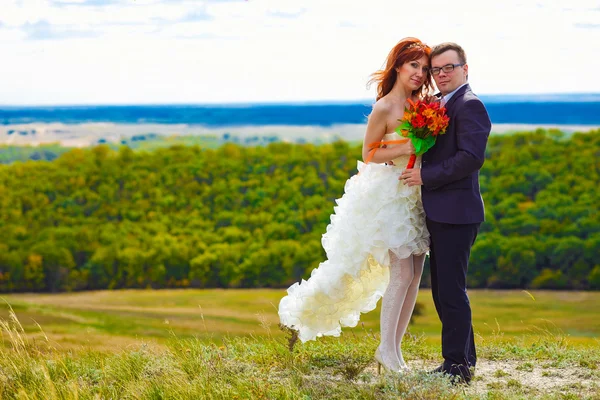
(106, 318)
(276, 366)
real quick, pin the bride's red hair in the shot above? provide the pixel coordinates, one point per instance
(408, 49)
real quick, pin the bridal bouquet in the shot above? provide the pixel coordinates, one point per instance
(422, 123)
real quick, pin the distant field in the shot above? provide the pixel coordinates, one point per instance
(117, 319)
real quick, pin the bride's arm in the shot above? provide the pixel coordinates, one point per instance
(376, 129)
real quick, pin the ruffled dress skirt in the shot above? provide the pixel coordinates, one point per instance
(376, 214)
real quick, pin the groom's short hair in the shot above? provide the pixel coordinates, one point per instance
(443, 47)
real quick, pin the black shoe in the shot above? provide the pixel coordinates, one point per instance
(438, 370)
(461, 374)
(458, 374)
(458, 379)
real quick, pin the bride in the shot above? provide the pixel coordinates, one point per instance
(377, 239)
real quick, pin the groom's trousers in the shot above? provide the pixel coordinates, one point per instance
(450, 249)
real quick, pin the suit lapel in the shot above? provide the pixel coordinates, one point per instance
(461, 92)
(448, 137)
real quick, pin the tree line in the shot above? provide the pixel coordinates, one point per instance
(235, 216)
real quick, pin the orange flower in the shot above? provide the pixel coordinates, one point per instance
(429, 113)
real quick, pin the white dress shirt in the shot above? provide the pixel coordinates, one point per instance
(446, 98)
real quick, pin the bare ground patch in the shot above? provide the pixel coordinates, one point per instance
(512, 378)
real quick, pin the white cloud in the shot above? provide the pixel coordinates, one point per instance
(162, 51)
(42, 30)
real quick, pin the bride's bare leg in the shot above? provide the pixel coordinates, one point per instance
(409, 302)
(401, 276)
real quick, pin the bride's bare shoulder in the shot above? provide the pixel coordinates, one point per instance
(381, 106)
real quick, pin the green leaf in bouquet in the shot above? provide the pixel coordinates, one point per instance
(422, 144)
(404, 126)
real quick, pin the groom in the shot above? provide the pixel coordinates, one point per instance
(453, 204)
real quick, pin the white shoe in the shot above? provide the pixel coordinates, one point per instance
(386, 367)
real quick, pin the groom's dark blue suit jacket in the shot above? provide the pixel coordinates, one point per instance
(450, 169)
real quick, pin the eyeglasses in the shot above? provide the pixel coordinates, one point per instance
(446, 68)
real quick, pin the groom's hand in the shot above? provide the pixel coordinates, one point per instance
(411, 177)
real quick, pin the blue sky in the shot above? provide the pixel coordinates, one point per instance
(194, 51)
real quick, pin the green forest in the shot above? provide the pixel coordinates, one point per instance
(252, 216)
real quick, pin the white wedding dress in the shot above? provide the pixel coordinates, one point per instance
(377, 214)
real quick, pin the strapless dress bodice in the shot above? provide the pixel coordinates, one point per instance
(401, 161)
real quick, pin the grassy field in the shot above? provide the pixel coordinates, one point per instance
(113, 319)
(225, 344)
